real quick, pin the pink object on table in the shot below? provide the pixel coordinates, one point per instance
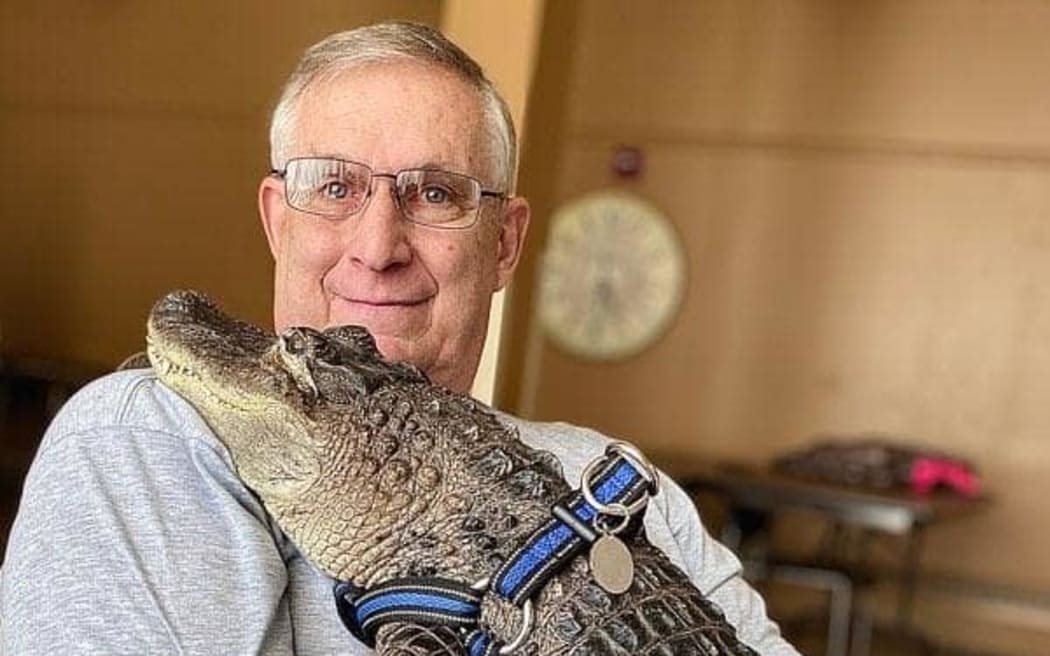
(927, 473)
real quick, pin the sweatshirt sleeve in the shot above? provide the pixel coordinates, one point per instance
(673, 525)
(717, 572)
(134, 535)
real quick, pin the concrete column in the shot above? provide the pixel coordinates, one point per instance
(503, 38)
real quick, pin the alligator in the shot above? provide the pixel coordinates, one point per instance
(376, 475)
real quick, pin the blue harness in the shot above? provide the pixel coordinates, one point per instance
(435, 601)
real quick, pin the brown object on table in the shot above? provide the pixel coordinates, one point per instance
(890, 510)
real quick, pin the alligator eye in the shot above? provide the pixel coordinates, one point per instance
(293, 342)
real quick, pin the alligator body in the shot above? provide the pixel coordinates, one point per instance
(376, 474)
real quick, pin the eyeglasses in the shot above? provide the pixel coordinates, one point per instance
(337, 188)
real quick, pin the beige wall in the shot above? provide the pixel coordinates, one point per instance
(134, 137)
(863, 189)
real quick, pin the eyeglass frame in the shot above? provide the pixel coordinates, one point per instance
(372, 175)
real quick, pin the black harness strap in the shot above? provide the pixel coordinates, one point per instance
(430, 601)
(558, 541)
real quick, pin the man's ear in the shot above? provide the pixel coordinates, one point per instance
(513, 226)
(272, 211)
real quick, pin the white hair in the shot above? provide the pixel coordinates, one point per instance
(384, 43)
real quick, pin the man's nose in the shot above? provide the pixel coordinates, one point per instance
(379, 238)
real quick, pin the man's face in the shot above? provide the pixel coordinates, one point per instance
(423, 292)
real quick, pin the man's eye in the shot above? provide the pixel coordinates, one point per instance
(335, 190)
(436, 195)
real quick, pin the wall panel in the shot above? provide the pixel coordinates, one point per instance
(862, 189)
(134, 137)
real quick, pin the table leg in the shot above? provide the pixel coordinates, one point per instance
(910, 575)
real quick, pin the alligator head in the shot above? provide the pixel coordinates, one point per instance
(289, 407)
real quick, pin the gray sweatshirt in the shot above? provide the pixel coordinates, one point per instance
(135, 536)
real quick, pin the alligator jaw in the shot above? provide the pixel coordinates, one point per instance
(220, 366)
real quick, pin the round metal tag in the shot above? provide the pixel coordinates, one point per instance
(611, 564)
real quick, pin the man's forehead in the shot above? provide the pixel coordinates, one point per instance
(394, 115)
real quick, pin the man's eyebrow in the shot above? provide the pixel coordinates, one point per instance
(430, 164)
(341, 158)
(439, 165)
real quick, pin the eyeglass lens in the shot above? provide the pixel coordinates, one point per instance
(338, 188)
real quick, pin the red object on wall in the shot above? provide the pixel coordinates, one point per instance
(628, 162)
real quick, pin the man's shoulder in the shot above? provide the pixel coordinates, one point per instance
(126, 400)
(575, 446)
(128, 432)
(555, 435)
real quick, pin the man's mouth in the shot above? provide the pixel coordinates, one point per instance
(386, 302)
(383, 316)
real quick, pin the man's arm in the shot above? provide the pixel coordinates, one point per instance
(133, 537)
(717, 572)
(673, 525)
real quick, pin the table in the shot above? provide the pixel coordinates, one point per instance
(753, 488)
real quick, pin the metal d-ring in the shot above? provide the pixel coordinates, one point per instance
(599, 523)
(644, 468)
(528, 619)
(615, 509)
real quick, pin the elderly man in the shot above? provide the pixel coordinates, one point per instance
(390, 205)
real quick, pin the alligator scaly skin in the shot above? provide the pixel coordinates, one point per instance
(375, 473)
